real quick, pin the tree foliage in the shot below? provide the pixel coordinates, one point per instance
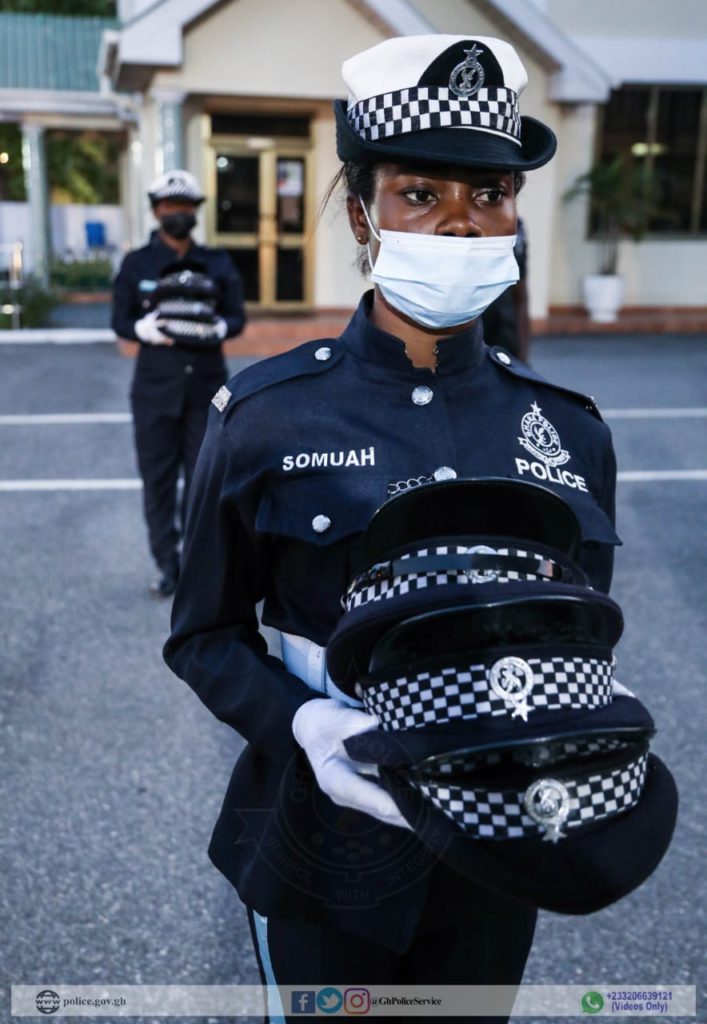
(82, 167)
(623, 199)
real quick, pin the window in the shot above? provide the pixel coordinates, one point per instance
(666, 127)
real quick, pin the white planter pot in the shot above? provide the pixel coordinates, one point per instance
(603, 294)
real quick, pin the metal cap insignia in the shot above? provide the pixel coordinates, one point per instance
(467, 77)
(547, 802)
(512, 680)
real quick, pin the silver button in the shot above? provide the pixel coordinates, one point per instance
(320, 524)
(323, 353)
(188, 368)
(503, 358)
(445, 473)
(422, 395)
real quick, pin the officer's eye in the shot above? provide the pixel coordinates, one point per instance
(418, 196)
(492, 196)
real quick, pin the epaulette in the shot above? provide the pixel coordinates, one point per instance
(518, 368)
(313, 357)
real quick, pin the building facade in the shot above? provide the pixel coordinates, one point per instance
(240, 92)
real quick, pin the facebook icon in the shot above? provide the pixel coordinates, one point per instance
(303, 1002)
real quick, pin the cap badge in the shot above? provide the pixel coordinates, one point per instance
(547, 802)
(512, 680)
(468, 76)
(541, 439)
(482, 575)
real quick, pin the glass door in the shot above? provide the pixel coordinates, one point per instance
(259, 213)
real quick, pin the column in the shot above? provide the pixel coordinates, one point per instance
(169, 150)
(34, 164)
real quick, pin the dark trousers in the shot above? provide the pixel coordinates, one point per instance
(166, 439)
(488, 949)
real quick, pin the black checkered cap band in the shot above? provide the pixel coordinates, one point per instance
(490, 814)
(453, 693)
(405, 583)
(417, 109)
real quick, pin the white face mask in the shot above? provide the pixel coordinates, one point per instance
(441, 280)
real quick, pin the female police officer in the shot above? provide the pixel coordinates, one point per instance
(299, 452)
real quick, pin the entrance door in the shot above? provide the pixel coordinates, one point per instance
(259, 213)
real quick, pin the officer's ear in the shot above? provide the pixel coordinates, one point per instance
(357, 219)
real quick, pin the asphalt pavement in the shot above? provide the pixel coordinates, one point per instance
(113, 770)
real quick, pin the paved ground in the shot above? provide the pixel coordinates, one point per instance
(114, 772)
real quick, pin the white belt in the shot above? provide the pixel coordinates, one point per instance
(307, 661)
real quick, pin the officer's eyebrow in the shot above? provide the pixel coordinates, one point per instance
(477, 177)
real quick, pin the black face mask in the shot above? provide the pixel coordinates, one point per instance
(178, 225)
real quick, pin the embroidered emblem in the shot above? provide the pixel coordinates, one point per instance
(467, 77)
(512, 680)
(221, 398)
(548, 803)
(541, 439)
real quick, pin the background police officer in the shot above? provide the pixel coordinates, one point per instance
(174, 379)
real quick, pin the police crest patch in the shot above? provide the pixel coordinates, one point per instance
(541, 439)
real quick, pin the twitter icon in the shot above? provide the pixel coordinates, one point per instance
(329, 1000)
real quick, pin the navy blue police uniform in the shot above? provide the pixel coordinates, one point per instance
(172, 385)
(300, 450)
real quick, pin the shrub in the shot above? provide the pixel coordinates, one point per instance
(81, 275)
(35, 300)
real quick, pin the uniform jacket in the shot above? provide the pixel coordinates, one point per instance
(162, 371)
(332, 429)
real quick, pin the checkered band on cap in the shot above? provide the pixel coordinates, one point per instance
(419, 108)
(501, 565)
(510, 686)
(191, 329)
(175, 184)
(592, 795)
(186, 309)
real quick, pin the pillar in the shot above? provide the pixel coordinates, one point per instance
(34, 164)
(169, 154)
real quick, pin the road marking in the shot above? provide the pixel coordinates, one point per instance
(61, 418)
(641, 475)
(653, 414)
(71, 485)
(7, 486)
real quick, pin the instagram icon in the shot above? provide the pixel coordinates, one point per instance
(357, 1000)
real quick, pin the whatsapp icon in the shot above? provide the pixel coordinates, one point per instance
(592, 1002)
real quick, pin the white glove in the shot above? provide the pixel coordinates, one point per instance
(320, 726)
(221, 328)
(148, 331)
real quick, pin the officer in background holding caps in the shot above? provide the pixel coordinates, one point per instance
(174, 381)
(300, 451)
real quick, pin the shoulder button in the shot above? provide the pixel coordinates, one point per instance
(323, 353)
(503, 358)
(320, 524)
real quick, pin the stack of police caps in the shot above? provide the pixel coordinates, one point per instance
(474, 637)
(185, 300)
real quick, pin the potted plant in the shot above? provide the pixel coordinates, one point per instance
(622, 200)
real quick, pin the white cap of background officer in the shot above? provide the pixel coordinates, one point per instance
(174, 197)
